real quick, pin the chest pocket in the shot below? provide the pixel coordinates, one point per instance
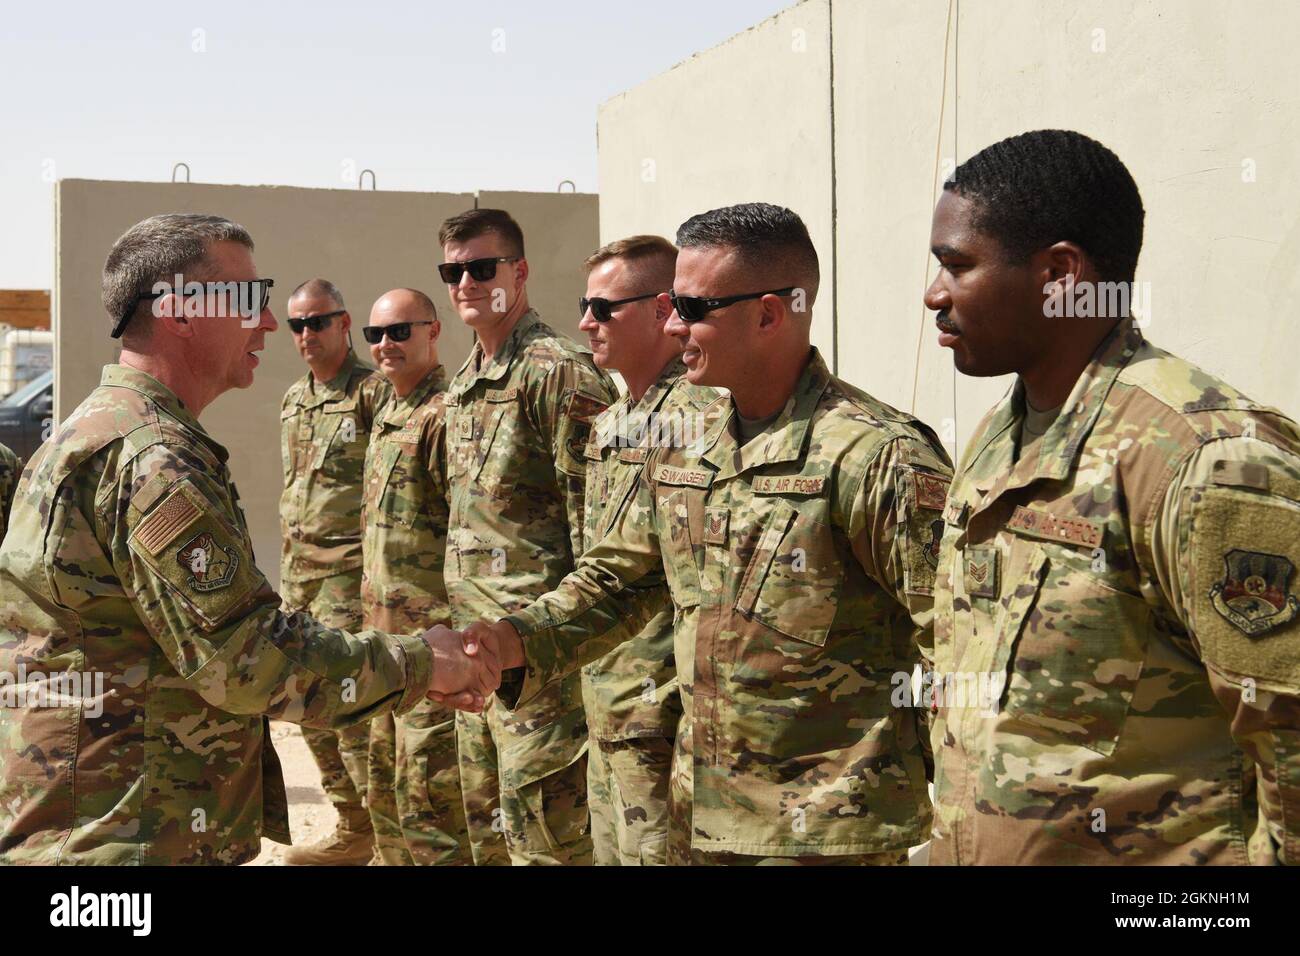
(497, 458)
(793, 580)
(401, 495)
(340, 444)
(681, 532)
(1071, 647)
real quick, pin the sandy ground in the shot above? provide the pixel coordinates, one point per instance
(310, 815)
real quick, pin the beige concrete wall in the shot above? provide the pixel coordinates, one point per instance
(1189, 95)
(745, 121)
(366, 242)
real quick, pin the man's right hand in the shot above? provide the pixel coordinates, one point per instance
(460, 679)
(499, 644)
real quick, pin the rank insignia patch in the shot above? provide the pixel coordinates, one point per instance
(715, 525)
(1254, 594)
(210, 565)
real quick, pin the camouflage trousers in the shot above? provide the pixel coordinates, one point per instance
(525, 787)
(414, 789)
(627, 790)
(888, 858)
(681, 853)
(341, 756)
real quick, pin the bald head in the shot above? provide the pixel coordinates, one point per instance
(411, 304)
(409, 353)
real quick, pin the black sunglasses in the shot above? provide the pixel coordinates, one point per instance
(694, 308)
(602, 310)
(397, 332)
(480, 270)
(249, 290)
(313, 322)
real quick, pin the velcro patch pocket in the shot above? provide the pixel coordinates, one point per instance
(186, 543)
(1244, 600)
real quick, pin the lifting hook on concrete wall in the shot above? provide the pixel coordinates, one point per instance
(362, 178)
(560, 188)
(178, 166)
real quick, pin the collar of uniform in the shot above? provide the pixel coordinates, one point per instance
(498, 365)
(1060, 445)
(784, 441)
(123, 376)
(400, 409)
(317, 393)
(656, 393)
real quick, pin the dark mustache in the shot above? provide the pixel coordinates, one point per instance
(945, 324)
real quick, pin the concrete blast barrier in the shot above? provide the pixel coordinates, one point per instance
(835, 109)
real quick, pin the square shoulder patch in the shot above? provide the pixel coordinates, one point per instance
(188, 546)
(1245, 597)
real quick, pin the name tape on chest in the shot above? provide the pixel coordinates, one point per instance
(1051, 527)
(789, 484)
(671, 475)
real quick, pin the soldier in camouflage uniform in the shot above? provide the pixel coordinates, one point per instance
(141, 650)
(10, 470)
(519, 414)
(630, 696)
(420, 816)
(325, 423)
(793, 540)
(1119, 550)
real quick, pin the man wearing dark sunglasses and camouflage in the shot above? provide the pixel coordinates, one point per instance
(414, 791)
(796, 542)
(519, 415)
(325, 422)
(145, 649)
(631, 695)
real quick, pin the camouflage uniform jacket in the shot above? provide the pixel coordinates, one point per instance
(800, 569)
(324, 433)
(402, 588)
(1128, 589)
(10, 470)
(130, 569)
(632, 691)
(517, 430)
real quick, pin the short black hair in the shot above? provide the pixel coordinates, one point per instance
(477, 222)
(768, 239)
(1055, 185)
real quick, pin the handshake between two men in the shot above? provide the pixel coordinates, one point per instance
(467, 665)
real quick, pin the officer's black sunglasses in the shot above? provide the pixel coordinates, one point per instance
(694, 308)
(248, 290)
(397, 332)
(602, 310)
(480, 270)
(313, 322)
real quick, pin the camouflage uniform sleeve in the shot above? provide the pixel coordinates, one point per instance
(189, 571)
(570, 397)
(617, 586)
(895, 525)
(1224, 544)
(435, 446)
(895, 522)
(10, 469)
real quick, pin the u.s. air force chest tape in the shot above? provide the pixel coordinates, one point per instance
(1244, 600)
(185, 540)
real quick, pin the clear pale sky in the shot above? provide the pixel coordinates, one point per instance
(432, 95)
